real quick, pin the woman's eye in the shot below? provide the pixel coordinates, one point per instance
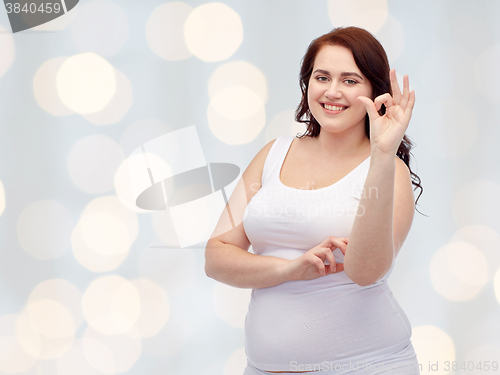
(350, 81)
(322, 79)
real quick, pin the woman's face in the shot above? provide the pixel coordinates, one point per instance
(334, 86)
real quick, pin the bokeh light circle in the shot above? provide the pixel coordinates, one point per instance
(86, 245)
(105, 233)
(119, 105)
(433, 345)
(13, 357)
(31, 327)
(91, 259)
(486, 240)
(73, 362)
(165, 31)
(392, 37)
(44, 229)
(236, 132)
(111, 305)
(111, 204)
(237, 103)
(154, 307)
(63, 292)
(51, 318)
(458, 271)
(238, 73)
(213, 32)
(111, 354)
(236, 363)
(98, 355)
(238, 92)
(367, 14)
(86, 83)
(45, 89)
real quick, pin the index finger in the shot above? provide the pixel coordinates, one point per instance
(406, 92)
(338, 243)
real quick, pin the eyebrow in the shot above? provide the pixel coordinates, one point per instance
(343, 74)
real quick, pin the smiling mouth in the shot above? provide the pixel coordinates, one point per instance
(333, 107)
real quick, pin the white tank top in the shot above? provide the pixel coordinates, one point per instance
(330, 318)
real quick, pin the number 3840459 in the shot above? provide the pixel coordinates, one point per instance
(33, 8)
(471, 366)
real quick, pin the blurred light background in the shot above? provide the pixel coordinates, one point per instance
(90, 284)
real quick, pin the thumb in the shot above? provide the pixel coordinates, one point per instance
(370, 107)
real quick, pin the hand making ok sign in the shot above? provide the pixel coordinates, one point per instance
(387, 131)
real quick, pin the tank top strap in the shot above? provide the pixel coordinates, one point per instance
(276, 157)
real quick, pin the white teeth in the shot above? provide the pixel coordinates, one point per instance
(333, 107)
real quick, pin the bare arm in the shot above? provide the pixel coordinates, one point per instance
(226, 255)
(237, 267)
(385, 215)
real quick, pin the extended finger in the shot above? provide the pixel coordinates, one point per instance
(385, 99)
(396, 92)
(409, 107)
(411, 101)
(406, 92)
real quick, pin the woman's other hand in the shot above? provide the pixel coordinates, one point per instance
(311, 265)
(387, 131)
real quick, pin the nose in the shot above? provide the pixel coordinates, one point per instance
(333, 91)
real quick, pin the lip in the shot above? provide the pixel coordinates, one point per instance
(329, 112)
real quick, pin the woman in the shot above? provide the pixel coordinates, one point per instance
(326, 215)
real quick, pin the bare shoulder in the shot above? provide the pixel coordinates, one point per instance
(252, 176)
(230, 229)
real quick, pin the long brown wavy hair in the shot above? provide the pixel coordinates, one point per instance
(371, 59)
